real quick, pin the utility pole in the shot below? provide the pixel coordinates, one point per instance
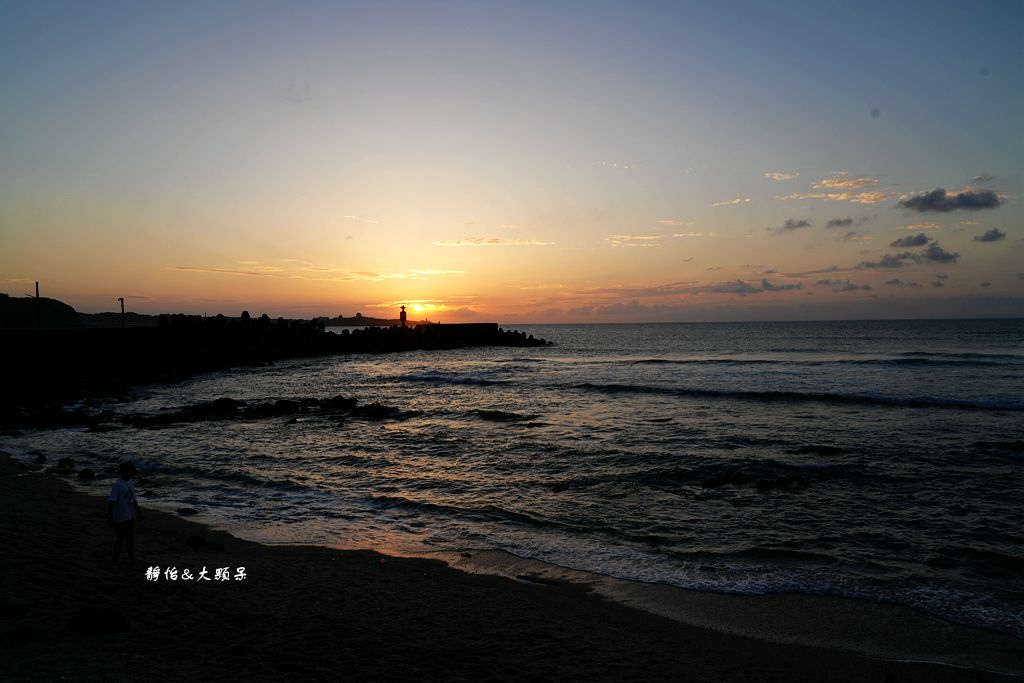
(38, 316)
(121, 299)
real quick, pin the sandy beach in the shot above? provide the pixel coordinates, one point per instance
(67, 613)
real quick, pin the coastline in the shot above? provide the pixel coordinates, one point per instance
(322, 613)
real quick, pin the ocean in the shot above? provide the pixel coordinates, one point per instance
(876, 460)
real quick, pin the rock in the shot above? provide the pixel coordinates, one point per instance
(87, 474)
(40, 459)
(187, 512)
(291, 421)
(99, 621)
(376, 411)
(66, 463)
(338, 403)
(196, 542)
(286, 407)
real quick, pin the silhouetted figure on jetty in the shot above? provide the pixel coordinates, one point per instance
(123, 510)
(402, 317)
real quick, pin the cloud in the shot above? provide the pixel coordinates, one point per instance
(435, 271)
(736, 287)
(792, 224)
(936, 254)
(693, 234)
(985, 284)
(743, 288)
(634, 240)
(491, 242)
(896, 282)
(360, 218)
(732, 202)
(614, 164)
(840, 222)
(856, 198)
(510, 226)
(942, 276)
(938, 283)
(973, 221)
(303, 270)
(234, 271)
(776, 175)
(544, 286)
(932, 254)
(675, 223)
(919, 226)
(844, 183)
(918, 240)
(983, 178)
(777, 287)
(993, 235)
(843, 285)
(939, 200)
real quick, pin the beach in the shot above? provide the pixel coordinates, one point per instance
(317, 613)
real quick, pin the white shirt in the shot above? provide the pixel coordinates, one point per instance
(122, 494)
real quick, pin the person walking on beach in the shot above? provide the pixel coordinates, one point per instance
(123, 510)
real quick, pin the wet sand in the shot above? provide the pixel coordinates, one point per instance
(67, 612)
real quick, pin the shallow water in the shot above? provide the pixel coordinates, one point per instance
(865, 459)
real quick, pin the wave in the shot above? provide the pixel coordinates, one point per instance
(806, 397)
(449, 379)
(968, 360)
(500, 416)
(486, 513)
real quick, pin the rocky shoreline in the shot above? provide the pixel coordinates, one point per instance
(45, 369)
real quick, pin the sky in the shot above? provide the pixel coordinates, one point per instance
(516, 161)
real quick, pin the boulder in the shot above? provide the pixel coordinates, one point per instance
(195, 542)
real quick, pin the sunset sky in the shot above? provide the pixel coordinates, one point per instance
(516, 161)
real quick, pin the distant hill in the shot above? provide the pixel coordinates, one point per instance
(21, 312)
(114, 320)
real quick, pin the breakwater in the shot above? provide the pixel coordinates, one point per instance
(44, 369)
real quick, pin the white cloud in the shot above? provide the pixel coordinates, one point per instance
(845, 183)
(856, 198)
(777, 175)
(491, 242)
(634, 240)
(675, 223)
(732, 202)
(918, 226)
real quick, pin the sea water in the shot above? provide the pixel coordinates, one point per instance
(876, 460)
